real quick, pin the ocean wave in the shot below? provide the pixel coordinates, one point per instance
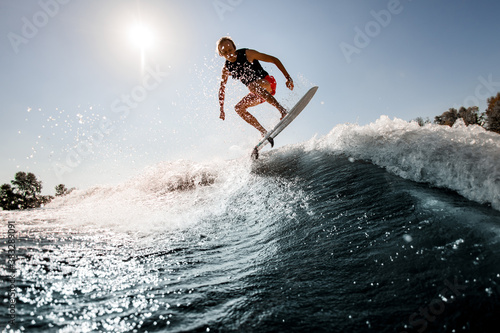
(462, 158)
(182, 193)
(165, 195)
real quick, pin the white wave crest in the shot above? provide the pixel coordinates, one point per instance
(166, 195)
(463, 158)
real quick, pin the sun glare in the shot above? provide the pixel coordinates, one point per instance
(141, 36)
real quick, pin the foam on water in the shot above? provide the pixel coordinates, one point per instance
(171, 195)
(166, 195)
(462, 158)
(181, 193)
(305, 239)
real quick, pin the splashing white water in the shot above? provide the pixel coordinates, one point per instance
(462, 158)
(171, 195)
(182, 193)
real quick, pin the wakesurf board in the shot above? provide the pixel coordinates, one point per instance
(292, 114)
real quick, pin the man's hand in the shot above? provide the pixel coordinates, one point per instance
(289, 83)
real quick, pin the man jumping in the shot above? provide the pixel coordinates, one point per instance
(243, 65)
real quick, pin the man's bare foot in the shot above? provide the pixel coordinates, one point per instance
(271, 140)
(283, 114)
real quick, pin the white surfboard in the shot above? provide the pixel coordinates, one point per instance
(294, 112)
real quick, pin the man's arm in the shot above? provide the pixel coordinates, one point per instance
(255, 55)
(222, 91)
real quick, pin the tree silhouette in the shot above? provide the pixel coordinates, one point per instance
(8, 199)
(493, 114)
(24, 193)
(447, 118)
(28, 187)
(421, 121)
(469, 115)
(62, 190)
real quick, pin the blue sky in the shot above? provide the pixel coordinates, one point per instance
(83, 105)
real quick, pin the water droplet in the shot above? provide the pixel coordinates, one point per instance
(407, 238)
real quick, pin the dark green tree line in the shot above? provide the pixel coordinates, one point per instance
(490, 119)
(62, 190)
(493, 114)
(25, 192)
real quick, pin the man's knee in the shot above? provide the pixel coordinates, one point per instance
(240, 110)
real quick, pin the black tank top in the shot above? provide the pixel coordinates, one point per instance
(244, 70)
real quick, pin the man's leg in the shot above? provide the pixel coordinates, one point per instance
(241, 109)
(260, 88)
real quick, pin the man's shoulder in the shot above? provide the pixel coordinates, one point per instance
(251, 54)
